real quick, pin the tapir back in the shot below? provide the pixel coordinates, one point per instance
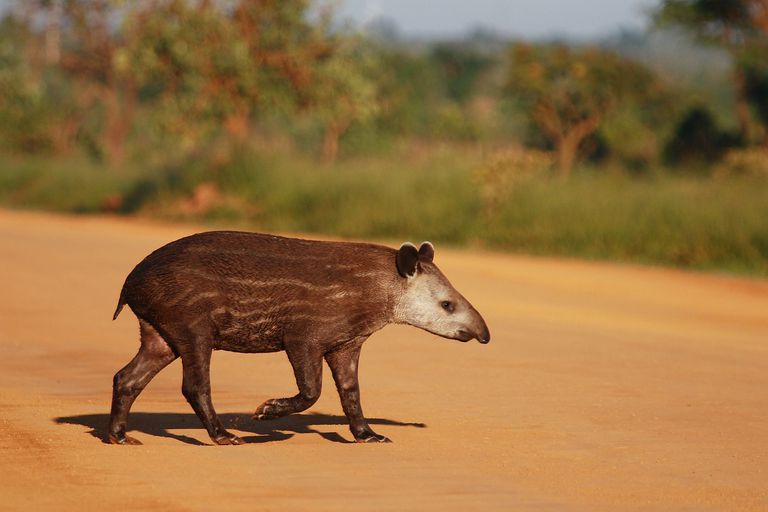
(249, 292)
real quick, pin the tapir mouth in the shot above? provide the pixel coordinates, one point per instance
(464, 336)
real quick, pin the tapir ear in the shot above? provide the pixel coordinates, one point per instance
(407, 258)
(426, 252)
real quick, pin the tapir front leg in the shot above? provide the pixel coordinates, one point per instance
(343, 363)
(308, 369)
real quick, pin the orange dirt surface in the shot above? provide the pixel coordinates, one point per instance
(605, 387)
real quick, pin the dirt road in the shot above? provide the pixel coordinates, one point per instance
(604, 388)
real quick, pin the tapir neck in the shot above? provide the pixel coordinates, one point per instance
(399, 308)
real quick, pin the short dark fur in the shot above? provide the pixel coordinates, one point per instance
(247, 292)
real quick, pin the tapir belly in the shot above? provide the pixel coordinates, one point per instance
(269, 333)
(250, 337)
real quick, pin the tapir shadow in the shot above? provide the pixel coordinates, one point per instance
(161, 423)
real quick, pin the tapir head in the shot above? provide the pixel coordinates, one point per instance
(430, 302)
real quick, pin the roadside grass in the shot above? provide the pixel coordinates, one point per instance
(684, 221)
(714, 224)
(76, 185)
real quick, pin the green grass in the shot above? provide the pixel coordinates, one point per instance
(363, 198)
(690, 222)
(686, 221)
(75, 185)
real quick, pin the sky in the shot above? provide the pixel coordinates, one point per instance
(580, 19)
(530, 19)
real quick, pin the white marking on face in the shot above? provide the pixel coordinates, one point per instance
(421, 306)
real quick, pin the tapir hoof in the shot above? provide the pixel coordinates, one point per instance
(373, 438)
(227, 438)
(267, 411)
(123, 439)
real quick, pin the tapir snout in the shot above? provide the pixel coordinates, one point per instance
(484, 335)
(479, 331)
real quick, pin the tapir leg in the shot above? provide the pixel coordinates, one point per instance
(343, 363)
(196, 387)
(154, 355)
(308, 370)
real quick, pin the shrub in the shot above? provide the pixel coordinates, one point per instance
(697, 139)
(744, 162)
(502, 171)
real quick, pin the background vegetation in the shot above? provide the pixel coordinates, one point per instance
(643, 147)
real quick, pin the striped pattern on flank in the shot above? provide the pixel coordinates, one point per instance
(261, 283)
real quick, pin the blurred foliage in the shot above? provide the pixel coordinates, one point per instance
(270, 114)
(186, 72)
(569, 93)
(682, 220)
(506, 169)
(744, 162)
(136, 81)
(698, 140)
(461, 68)
(755, 63)
(345, 93)
(741, 27)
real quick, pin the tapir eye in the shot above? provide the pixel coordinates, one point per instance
(448, 306)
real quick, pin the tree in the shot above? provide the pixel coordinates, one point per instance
(23, 109)
(739, 26)
(461, 68)
(756, 76)
(206, 67)
(697, 139)
(192, 67)
(407, 92)
(70, 49)
(343, 91)
(567, 93)
(190, 70)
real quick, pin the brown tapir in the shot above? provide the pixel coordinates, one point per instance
(248, 292)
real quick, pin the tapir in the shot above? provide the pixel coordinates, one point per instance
(250, 292)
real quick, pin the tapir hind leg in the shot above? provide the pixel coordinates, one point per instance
(154, 355)
(196, 387)
(343, 363)
(308, 370)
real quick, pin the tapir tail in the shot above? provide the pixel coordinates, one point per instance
(120, 304)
